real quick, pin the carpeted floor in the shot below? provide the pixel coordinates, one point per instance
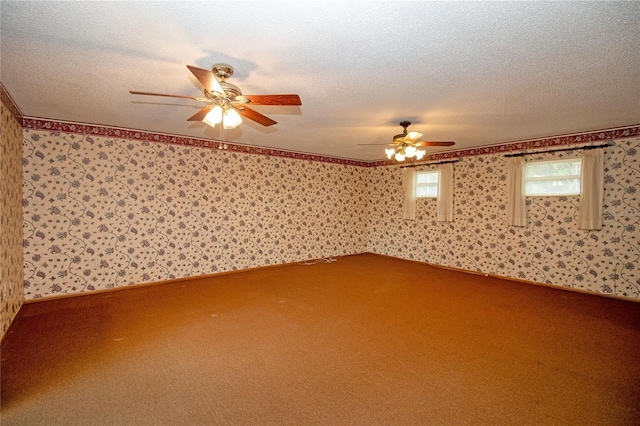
(366, 340)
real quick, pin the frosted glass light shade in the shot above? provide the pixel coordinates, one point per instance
(214, 116)
(231, 119)
(389, 152)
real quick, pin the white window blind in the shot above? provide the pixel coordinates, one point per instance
(427, 184)
(552, 177)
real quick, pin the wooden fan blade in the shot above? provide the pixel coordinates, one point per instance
(255, 116)
(274, 99)
(207, 79)
(436, 143)
(375, 144)
(199, 116)
(134, 92)
(413, 137)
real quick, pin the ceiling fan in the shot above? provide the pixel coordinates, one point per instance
(226, 101)
(405, 145)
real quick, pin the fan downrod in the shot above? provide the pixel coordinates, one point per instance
(399, 138)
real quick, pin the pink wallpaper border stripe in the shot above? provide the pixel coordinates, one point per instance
(97, 130)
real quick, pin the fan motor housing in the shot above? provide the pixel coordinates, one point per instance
(230, 89)
(399, 138)
(222, 71)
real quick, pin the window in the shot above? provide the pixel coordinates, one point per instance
(427, 184)
(552, 177)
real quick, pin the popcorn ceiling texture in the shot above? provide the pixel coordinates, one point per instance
(476, 73)
(11, 279)
(103, 212)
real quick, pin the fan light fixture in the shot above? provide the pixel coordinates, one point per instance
(226, 102)
(214, 116)
(229, 118)
(405, 145)
(404, 151)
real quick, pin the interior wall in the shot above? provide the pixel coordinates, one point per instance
(11, 267)
(103, 212)
(550, 249)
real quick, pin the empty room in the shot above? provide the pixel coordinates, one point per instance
(320, 213)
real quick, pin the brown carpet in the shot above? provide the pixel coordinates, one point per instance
(366, 340)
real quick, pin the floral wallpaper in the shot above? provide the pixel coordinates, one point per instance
(11, 280)
(107, 208)
(103, 212)
(551, 249)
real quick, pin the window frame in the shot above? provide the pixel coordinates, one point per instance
(427, 184)
(526, 178)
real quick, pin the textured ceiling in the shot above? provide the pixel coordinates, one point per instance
(480, 73)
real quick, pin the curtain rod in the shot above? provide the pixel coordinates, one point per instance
(429, 164)
(521, 154)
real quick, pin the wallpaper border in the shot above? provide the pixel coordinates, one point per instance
(548, 142)
(99, 130)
